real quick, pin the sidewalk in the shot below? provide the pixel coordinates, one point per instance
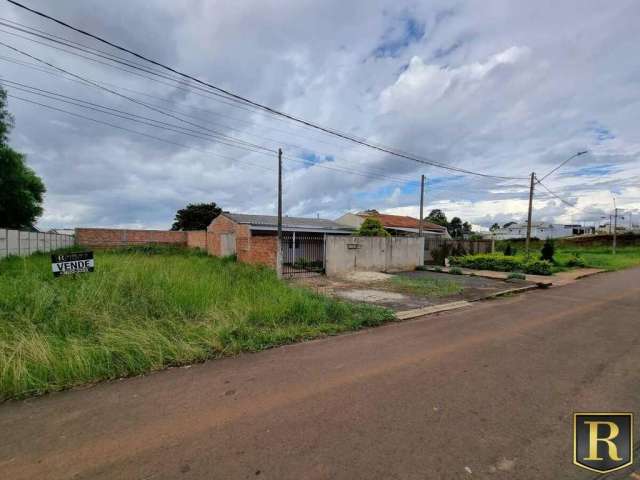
(557, 279)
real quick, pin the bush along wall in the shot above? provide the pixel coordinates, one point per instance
(501, 263)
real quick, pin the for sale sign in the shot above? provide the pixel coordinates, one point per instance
(80, 262)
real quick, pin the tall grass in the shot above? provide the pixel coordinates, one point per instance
(143, 310)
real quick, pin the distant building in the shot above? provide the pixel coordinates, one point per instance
(396, 225)
(62, 231)
(540, 230)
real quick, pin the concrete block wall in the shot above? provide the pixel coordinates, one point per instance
(382, 254)
(16, 242)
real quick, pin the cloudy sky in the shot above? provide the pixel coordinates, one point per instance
(499, 87)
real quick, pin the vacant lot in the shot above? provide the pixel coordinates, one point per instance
(143, 310)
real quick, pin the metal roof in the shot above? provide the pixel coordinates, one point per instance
(267, 221)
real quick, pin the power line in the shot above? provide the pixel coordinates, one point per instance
(93, 83)
(564, 163)
(266, 108)
(553, 194)
(169, 127)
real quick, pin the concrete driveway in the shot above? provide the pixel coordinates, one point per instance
(482, 392)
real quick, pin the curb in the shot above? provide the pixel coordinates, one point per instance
(420, 312)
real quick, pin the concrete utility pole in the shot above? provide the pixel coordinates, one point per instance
(279, 253)
(533, 176)
(615, 224)
(279, 196)
(421, 204)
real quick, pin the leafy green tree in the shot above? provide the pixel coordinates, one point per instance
(494, 227)
(467, 229)
(6, 119)
(455, 227)
(196, 216)
(508, 224)
(438, 217)
(372, 227)
(21, 190)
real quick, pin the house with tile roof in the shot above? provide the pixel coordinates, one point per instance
(396, 225)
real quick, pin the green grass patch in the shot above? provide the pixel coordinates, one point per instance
(145, 309)
(429, 287)
(599, 257)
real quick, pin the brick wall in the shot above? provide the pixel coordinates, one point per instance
(112, 237)
(249, 249)
(260, 250)
(197, 239)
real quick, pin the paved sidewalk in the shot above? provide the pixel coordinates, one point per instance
(557, 279)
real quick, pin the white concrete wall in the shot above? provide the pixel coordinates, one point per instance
(15, 242)
(381, 254)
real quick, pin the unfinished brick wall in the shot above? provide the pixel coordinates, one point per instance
(112, 237)
(197, 239)
(261, 250)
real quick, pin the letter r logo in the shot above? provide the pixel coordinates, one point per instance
(603, 442)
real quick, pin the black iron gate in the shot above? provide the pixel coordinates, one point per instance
(302, 254)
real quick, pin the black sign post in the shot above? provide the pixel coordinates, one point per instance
(80, 262)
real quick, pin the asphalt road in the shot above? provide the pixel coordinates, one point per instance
(484, 392)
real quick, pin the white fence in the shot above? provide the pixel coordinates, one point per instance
(15, 242)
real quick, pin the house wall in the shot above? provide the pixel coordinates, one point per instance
(384, 254)
(112, 237)
(256, 250)
(350, 220)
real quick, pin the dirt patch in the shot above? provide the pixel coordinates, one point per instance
(370, 295)
(359, 277)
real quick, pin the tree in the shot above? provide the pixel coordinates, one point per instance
(467, 229)
(455, 227)
(438, 217)
(372, 227)
(21, 190)
(548, 250)
(508, 224)
(494, 227)
(196, 216)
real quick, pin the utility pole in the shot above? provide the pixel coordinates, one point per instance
(615, 224)
(279, 195)
(279, 254)
(533, 176)
(421, 204)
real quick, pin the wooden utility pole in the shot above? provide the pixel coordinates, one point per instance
(421, 204)
(533, 176)
(279, 196)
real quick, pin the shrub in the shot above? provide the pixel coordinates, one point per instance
(509, 251)
(538, 267)
(576, 261)
(517, 276)
(455, 271)
(548, 250)
(437, 269)
(502, 263)
(440, 254)
(372, 227)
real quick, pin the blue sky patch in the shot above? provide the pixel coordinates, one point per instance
(593, 171)
(397, 39)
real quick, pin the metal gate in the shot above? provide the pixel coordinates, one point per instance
(303, 254)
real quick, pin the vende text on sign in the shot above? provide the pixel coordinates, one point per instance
(80, 262)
